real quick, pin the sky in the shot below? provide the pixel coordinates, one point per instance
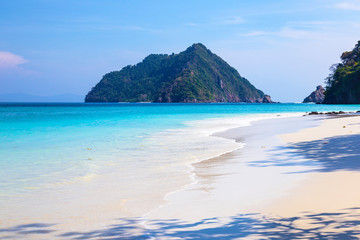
(284, 48)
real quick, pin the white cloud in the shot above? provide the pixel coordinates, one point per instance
(10, 60)
(285, 32)
(296, 56)
(232, 20)
(255, 34)
(191, 24)
(354, 5)
(313, 24)
(295, 33)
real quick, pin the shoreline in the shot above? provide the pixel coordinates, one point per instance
(194, 179)
(267, 209)
(248, 187)
(63, 215)
(184, 198)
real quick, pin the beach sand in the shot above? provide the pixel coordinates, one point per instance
(328, 200)
(296, 178)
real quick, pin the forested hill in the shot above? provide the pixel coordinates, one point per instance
(343, 84)
(194, 75)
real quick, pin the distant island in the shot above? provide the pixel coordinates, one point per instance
(343, 83)
(195, 75)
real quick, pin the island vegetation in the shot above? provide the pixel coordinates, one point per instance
(194, 75)
(343, 83)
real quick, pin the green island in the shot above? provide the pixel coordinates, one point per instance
(193, 76)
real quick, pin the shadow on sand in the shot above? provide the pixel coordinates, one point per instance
(341, 225)
(26, 230)
(331, 154)
(326, 155)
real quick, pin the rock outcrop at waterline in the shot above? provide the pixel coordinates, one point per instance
(316, 96)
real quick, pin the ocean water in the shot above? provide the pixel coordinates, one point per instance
(143, 150)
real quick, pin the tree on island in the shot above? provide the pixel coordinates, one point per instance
(343, 83)
(195, 75)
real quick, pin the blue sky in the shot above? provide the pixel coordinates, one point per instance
(285, 48)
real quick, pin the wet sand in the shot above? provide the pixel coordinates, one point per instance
(296, 178)
(237, 183)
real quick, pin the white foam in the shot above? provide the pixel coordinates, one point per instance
(197, 142)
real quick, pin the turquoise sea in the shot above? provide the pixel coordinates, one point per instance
(49, 142)
(46, 146)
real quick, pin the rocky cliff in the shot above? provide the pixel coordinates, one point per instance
(194, 75)
(316, 96)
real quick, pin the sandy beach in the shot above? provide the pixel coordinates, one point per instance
(179, 120)
(295, 178)
(327, 202)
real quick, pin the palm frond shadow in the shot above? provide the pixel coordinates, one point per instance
(326, 155)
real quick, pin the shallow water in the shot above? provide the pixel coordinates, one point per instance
(122, 157)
